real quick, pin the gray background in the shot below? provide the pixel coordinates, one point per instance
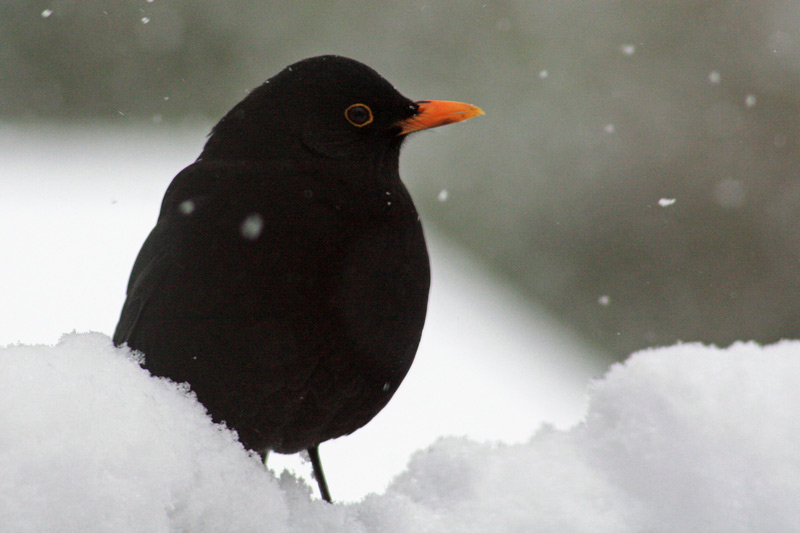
(596, 111)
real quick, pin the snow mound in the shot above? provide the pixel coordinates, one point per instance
(686, 438)
(93, 439)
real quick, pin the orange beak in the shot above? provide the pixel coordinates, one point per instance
(435, 113)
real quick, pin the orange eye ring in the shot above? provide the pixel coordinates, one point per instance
(359, 115)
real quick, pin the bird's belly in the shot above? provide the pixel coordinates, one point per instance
(367, 338)
(318, 365)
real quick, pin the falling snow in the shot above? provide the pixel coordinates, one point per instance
(251, 226)
(186, 207)
(666, 202)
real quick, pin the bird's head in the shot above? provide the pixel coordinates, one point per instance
(327, 106)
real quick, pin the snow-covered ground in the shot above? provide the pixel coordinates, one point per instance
(679, 439)
(687, 438)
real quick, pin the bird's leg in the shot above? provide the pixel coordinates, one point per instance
(313, 454)
(263, 454)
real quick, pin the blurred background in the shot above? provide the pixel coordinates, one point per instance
(636, 173)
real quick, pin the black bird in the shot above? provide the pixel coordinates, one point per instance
(287, 277)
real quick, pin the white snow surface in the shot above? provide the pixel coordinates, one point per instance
(686, 438)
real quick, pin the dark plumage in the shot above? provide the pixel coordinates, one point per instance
(286, 279)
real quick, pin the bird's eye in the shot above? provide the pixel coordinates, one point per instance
(359, 115)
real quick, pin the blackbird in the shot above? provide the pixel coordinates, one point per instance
(286, 279)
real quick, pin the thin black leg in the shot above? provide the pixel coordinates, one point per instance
(313, 453)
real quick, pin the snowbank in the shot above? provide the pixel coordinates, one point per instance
(687, 438)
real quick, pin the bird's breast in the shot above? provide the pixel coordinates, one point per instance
(379, 292)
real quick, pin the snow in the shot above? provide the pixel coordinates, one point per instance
(251, 226)
(88, 437)
(666, 202)
(685, 438)
(187, 207)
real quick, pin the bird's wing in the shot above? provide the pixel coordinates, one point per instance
(236, 248)
(149, 270)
